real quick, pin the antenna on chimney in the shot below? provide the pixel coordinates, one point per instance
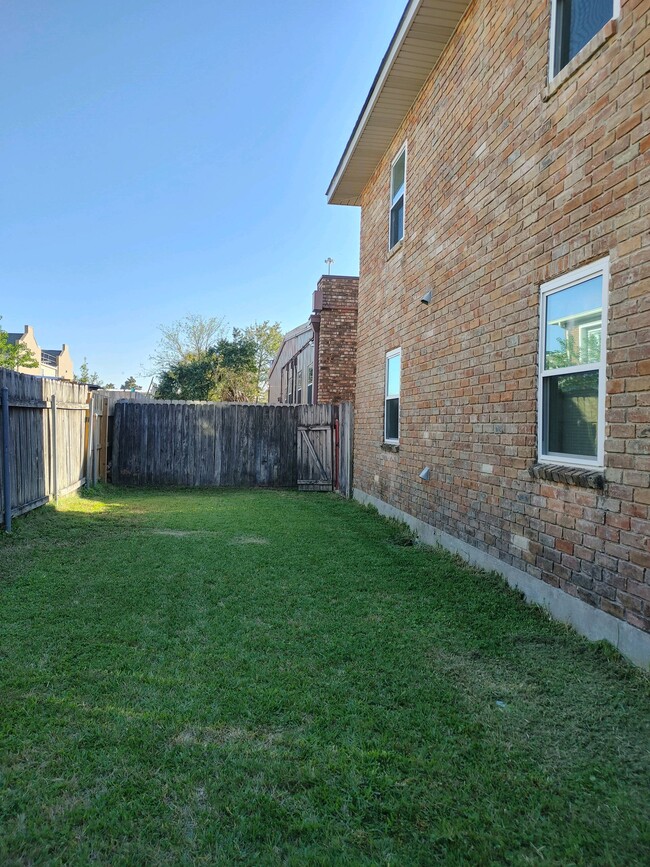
(329, 262)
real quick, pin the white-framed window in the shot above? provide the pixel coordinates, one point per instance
(573, 24)
(397, 194)
(391, 395)
(572, 341)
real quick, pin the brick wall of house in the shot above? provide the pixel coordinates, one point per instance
(507, 187)
(337, 349)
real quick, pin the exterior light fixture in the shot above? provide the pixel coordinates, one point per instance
(425, 475)
(427, 297)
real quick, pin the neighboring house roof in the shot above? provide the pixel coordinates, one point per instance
(421, 36)
(13, 337)
(55, 352)
(290, 335)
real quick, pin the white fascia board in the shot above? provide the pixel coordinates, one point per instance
(373, 96)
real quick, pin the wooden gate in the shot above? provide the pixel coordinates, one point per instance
(315, 466)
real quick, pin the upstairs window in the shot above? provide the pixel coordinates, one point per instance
(397, 188)
(391, 398)
(573, 24)
(572, 367)
(310, 383)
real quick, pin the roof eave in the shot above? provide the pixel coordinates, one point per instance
(450, 13)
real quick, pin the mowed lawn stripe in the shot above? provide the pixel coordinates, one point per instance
(268, 677)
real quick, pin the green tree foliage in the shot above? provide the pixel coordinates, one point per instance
(188, 380)
(84, 372)
(267, 337)
(225, 372)
(85, 376)
(236, 368)
(15, 355)
(131, 384)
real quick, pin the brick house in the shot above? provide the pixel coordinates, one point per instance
(317, 360)
(501, 162)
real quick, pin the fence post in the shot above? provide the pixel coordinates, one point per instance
(55, 457)
(97, 430)
(103, 441)
(6, 472)
(91, 436)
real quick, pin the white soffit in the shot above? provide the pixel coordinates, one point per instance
(422, 34)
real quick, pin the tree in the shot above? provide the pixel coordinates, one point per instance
(226, 372)
(109, 385)
(236, 378)
(85, 376)
(131, 385)
(188, 338)
(188, 380)
(267, 337)
(15, 355)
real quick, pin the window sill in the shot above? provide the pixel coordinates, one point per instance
(585, 54)
(580, 477)
(395, 250)
(390, 447)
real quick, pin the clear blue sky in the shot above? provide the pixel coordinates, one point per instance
(164, 157)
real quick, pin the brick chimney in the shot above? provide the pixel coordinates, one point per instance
(335, 308)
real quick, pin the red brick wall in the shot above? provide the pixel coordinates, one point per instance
(509, 187)
(337, 350)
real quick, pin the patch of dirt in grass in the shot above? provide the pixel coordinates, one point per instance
(181, 533)
(236, 540)
(226, 735)
(249, 540)
(480, 677)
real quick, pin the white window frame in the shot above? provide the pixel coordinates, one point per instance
(595, 269)
(391, 204)
(616, 13)
(392, 354)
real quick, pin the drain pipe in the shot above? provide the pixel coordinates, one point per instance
(6, 472)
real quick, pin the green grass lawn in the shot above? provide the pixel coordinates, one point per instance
(275, 678)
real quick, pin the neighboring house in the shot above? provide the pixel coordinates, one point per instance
(283, 387)
(51, 362)
(502, 162)
(317, 361)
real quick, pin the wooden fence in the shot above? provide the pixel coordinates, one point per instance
(101, 411)
(189, 443)
(43, 441)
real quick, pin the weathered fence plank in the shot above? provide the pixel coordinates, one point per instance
(36, 469)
